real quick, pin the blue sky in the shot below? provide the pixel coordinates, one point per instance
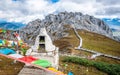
(28, 10)
(54, 1)
(113, 23)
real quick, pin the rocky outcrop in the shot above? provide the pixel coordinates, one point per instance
(56, 25)
(30, 32)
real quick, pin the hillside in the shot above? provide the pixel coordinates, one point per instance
(95, 33)
(67, 45)
(8, 67)
(11, 25)
(100, 43)
(92, 41)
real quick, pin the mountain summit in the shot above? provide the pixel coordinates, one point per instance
(10, 25)
(56, 25)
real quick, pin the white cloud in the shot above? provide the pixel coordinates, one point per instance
(27, 10)
(86, 8)
(26, 19)
(24, 11)
(115, 27)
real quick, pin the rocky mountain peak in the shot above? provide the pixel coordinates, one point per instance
(80, 21)
(57, 24)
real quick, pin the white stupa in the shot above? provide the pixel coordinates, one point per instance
(44, 48)
(43, 42)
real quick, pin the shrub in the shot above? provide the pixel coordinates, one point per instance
(111, 69)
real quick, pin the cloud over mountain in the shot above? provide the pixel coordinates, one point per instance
(27, 10)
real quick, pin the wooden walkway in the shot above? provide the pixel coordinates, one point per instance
(91, 51)
(78, 36)
(101, 54)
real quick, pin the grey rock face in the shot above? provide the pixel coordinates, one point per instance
(56, 25)
(29, 33)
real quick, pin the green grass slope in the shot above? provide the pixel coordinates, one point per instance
(99, 43)
(91, 41)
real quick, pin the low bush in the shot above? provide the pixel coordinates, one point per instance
(111, 69)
